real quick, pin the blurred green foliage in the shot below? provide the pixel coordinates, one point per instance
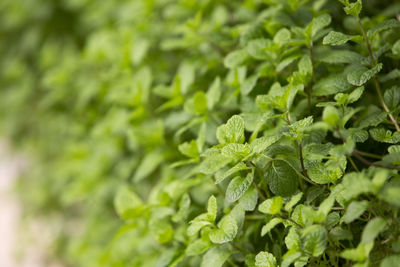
(207, 133)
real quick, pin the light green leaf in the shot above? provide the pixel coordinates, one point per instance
(236, 151)
(319, 23)
(391, 194)
(235, 58)
(149, 163)
(281, 178)
(270, 225)
(361, 75)
(292, 239)
(383, 26)
(354, 210)
(249, 200)
(195, 226)
(198, 247)
(226, 232)
(314, 240)
(372, 230)
(260, 144)
(331, 115)
(326, 205)
(189, 149)
(359, 253)
(237, 187)
(338, 38)
(212, 209)
(214, 93)
(213, 163)
(385, 136)
(390, 261)
(271, 206)
(232, 131)
(293, 201)
(353, 9)
(216, 257)
(257, 48)
(126, 200)
(282, 36)
(221, 176)
(265, 259)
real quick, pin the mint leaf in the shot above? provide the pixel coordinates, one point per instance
(281, 178)
(361, 75)
(338, 38)
(238, 187)
(265, 259)
(271, 206)
(354, 210)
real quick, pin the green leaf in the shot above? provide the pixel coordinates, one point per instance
(125, 201)
(149, 163)
(265, 259)
(338, 234)
(361, 75)
(214, 93)
(281, 178)
(319, 23)
(258, 48)
(216, 257)
(392, 97)
(236, 151)
(198, 247)
(259, 145)
(372, 230)
(212, 209)
(197, 105)
(292, 239)
(195, 226)
(271, 206)
(226, 232)
(354, 210)
(391, 194)
(235, 58)
(249, 200)
(339, 57)
(331, 85)
(390, 261)
(270, 225)
(353, 9)
(282, 36)
(293, 201)
(359, 253)
(386, 25)
(232, 131)
(189, 149)
(314, 239)
(213, 163)
(221, 176)
(331, 115)
(338, 38)
(385, 136)
(238, 187)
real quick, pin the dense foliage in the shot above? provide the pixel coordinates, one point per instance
(208, 132)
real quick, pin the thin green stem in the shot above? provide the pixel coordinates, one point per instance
(353, 164)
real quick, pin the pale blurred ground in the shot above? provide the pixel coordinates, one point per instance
(11, 238)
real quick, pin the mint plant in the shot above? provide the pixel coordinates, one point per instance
(257, 133)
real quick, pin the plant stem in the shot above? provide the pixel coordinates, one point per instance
(353, 164)
(362, 153)
(290, 220)
(377, 86)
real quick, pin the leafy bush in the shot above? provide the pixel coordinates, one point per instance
(208, 133)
